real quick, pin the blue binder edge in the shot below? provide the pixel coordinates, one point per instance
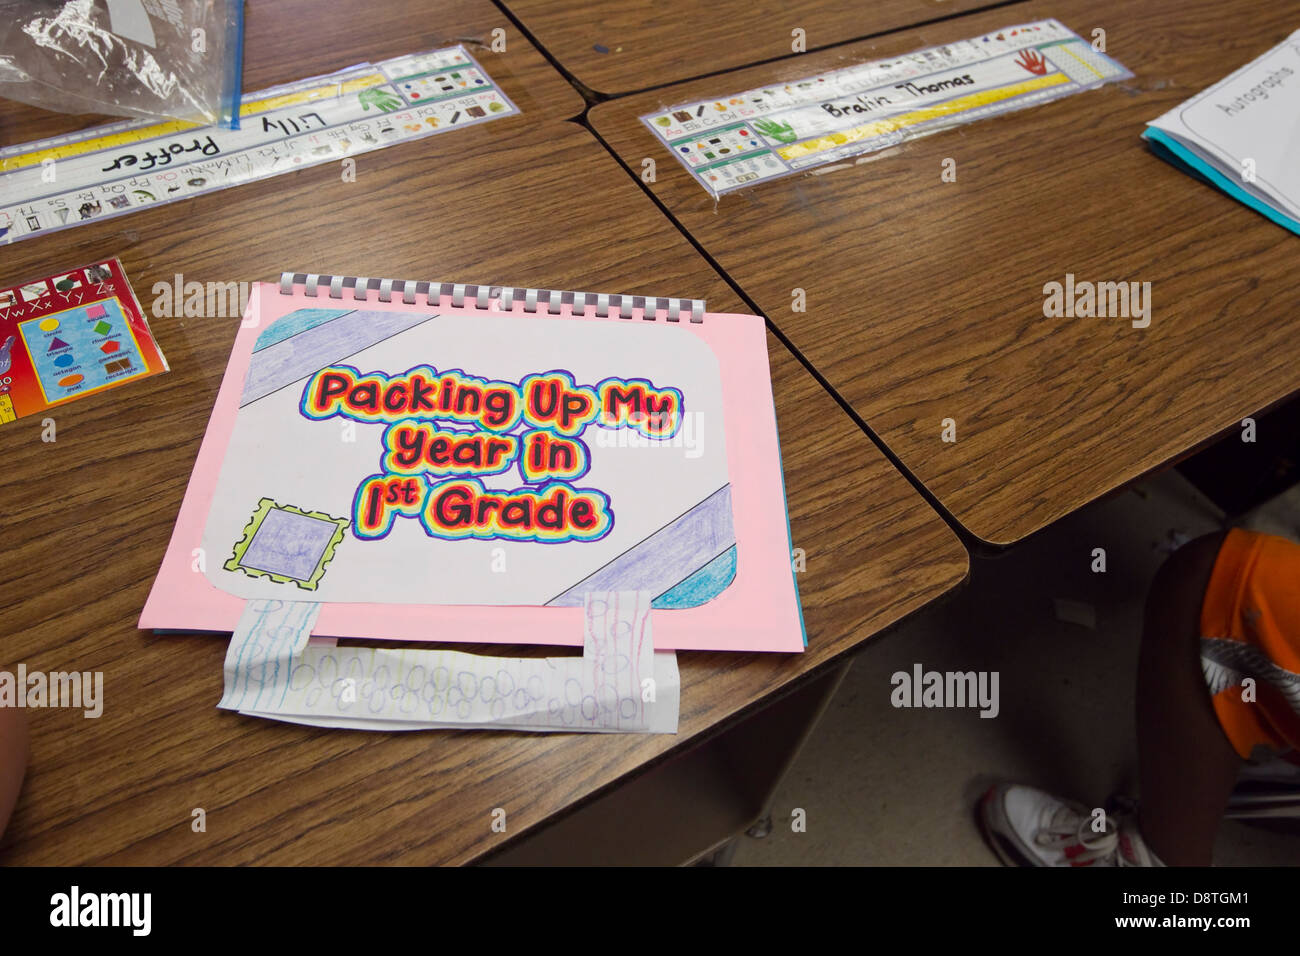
(1178, 155)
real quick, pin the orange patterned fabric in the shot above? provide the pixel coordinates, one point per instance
(1250, 628)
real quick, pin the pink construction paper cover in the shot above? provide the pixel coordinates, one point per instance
(757, 611)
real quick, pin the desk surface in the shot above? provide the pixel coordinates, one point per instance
(618, 47)
(277, 50)
(507, 202)
(925, 298)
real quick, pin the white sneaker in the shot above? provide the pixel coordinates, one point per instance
(1027, 827)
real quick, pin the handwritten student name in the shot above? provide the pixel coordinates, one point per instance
(447, 430)
(164, 155)
(875, 101)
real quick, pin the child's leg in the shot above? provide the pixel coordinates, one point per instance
(1218, 677)
(13, 760)
(1186, 764)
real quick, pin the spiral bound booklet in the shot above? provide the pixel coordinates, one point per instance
(437, 462)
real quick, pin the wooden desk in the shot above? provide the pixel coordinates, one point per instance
(925, 298)
(618, 47)
(89, 517)
(288, 40)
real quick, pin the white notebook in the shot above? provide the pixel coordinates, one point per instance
(1242, 135)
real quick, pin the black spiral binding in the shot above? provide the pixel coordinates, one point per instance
(495, 298)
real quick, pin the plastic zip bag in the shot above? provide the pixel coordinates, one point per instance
(150, 59)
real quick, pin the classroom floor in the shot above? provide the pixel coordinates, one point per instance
(881, 786)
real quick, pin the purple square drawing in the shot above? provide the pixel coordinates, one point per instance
(289, 544)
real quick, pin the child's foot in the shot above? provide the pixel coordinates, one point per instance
(1027, 827)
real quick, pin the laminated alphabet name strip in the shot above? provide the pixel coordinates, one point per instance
(618, 685)
(112, 170)
(760, 134)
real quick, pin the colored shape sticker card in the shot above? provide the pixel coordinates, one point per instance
(419, 458)
(744, 138)
(71, 334)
